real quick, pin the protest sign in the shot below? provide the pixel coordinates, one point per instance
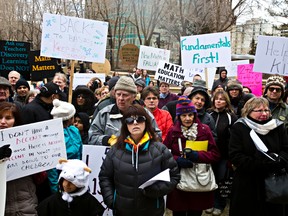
(190, 73)
(129, 54)
(73, 38)
(14, 57)
(208, 50)
(42, 67)
(102, 68)
(93, 156)
(150, 56)
(170, 73)
(84, 78)
(35, 147)
(251, 79)
(271, 55)
(232, 68)
(2, 187)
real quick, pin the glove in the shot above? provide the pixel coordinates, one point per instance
(191, 155)
(5, 152)
(112, 140)
(105, 140)
(184, 163)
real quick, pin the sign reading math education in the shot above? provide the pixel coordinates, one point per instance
(14, 56)
(208, 50)
(42, 67)
(35, 147)
(73, 38)
(149, 57)
(251, 79)
(170, 73)
(271, 55)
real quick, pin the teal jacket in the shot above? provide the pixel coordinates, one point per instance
(74, 147)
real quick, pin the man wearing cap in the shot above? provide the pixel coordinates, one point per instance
(222, 81)
(165, 94)
(39, 109)
(274, 92)
(6, 91)
(236, 95)
(22, 88)
(107, 124)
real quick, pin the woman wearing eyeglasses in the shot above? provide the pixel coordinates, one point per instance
(251, 165)
(189, 129)
(135, 158)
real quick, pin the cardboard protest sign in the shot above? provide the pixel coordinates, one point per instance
(35, 147)
(251, 79)
(271, 55)
(232, 68)
(14, 55)
(42, 67)
(73, 38)
(129, 54)
(150, 56)
(208, 50)
(93, 156)
(102, 68)
(170, 73)
(84, 78)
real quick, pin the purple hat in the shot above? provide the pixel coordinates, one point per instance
(184, 105)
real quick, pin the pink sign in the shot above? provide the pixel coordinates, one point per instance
(251, 79)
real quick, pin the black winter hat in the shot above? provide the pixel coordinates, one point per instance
(202, 91)
(112, 82)
(22, 82)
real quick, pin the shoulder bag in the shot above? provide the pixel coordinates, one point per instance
(199, 178)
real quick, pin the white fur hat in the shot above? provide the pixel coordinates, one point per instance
(76, 172)
(62, 110)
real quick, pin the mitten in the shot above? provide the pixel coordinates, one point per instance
(184, 163)
(105, 140)
(191, 155)
(5, 152)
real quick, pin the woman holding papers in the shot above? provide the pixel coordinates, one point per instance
(250, 135)
(189, 132)
(133, 160)
(21, 196)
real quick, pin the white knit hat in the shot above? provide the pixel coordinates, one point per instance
(127, 84)
(62, 110)
(76, 172)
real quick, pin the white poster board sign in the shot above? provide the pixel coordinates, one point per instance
(190, 73)
(84, 78)
(271, 55)
(170, 73)
(93, 156)
(73, 38)
(35, 147)
(208, 50)
(2, 187)
(149, 57)
(232, 68)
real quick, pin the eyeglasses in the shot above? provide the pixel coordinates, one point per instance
(151, 98)
(271, 89)
(138, 119)
(261, 111)
(80, 96)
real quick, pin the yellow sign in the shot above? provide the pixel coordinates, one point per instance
(197, 145)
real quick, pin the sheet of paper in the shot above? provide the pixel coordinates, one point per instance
(163, 176)
(2, 187)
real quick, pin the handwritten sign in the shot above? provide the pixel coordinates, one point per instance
(35, 147)
(93, 156)
(271, 55)
(208, 50)
(42, 67)
(14, 55)
(232, 68)
(84, 78)
(129, 54)
(170, 73)
(73, 38)
(149, 57)
(251, 79)
(190, 73)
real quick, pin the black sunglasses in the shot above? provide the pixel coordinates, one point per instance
(138, 119)
(271, 89)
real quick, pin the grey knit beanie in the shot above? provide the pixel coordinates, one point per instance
(127, 84)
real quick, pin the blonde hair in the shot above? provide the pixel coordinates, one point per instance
(252, 103)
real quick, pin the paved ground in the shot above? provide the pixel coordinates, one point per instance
(225, 213)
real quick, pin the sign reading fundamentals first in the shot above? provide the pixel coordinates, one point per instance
(14, 55)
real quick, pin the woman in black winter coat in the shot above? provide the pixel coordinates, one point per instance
(251, 165)
(135, 158)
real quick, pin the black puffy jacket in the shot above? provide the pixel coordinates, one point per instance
(119, 179)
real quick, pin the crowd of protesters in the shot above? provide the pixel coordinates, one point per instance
(141, 122)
